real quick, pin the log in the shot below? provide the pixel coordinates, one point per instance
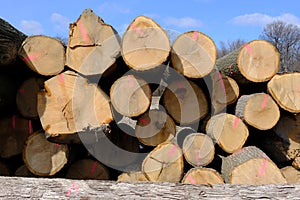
(181, 134)
(296, 163)
(145, 45)
(251, 166)
(256, 61)
(164, 163)
(258, 110)
(10, 42)
(185, 102)
(134, 176)
(155, 127)
(43, 54)
(93, 45)
(23, 171)
(228, 131)
(193, 54)
(225, 91)
(44, 158)
(69, 105)
(26, 98)
(87, 169)
(291, 174)
(198, 149)
(13, 134)
(285, 89)
(130, 96)
(202, 176)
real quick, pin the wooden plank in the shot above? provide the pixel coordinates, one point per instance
(43, 188)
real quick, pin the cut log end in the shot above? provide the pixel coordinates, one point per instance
(134, 176)
(202, 176)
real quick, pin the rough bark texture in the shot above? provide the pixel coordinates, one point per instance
(193, 54)
(10, 41)
(43, 188)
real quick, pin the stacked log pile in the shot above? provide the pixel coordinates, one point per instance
(138, 108)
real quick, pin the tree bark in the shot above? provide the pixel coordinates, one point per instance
(193, 54)
(285, 89)
(44, 55)
(10, 41)
(256, 61)
(93, 45)
(145, 45)
(202, 176)
(258, 110)
(228, 131)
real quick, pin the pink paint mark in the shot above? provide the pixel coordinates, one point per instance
(31, 57)
(193, 181)
(221, 81)
(83, 32)
(195, 35)
(265, 101)
(263, 168)
(56, 145)
(94, 167)
(13, 122)
(179, 85)
(61, 78)
(173, 150)
(198, 158)
(137, 29)
(249, 49)
(131, 82)
(22, 91)
(30, 129)
(235, 122)
(144, 121)
(75, 187)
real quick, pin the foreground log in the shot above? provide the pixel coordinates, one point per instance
(256, 61)
(225, 91)
(13, 134)
(291, 174)
(198, 149)
(258, 110)
(164, 163)
(285, 89)
(252, 166)
(134, 176)
(155, 127)
(145, 45)
(10, 42)
(202, 176)
(185, 102)
(130, 96)
(193, 54)
(70, 104)
(27, 97)
(93, 45)
(87, 169)
(44, 158)
(44, 55)
(228, 131)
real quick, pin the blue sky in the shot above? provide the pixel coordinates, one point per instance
(222, 20)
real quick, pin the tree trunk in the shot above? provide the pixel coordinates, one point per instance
(14, 132)
(134, 176)
(228, 131)
(70, 105)
(250, 166)
(93, 45)
(202, 176)
(193, 54)
(10, 41)
(87, 169)
(154, 128)
(27, 97)
(198, 149)
(164, 163)
(285, 89)
(44, 55)
(258, 110)
(130, 96)
(145, 45)
(225, 91)
(44, 158)
(256, 61)
(185, 102)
